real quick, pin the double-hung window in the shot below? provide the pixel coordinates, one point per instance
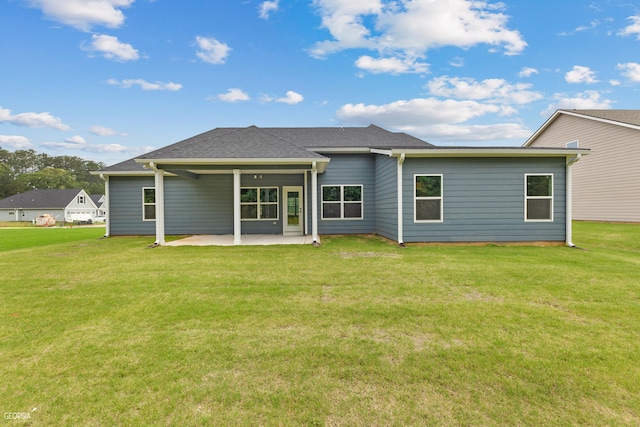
(342, 202)
(259, 203)
(148, 204)
(538, 201)
(428, 198)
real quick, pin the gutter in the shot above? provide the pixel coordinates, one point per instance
(569, 200)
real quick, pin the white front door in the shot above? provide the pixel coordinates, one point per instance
(293, 206)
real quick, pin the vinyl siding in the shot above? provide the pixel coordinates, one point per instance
(125, 206)
(350, 169)
(605, 182)
(483, 200)
(386, 197)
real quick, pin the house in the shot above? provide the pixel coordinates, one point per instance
(65, 205)
(100, 201)
(605, 185)
(361, 180)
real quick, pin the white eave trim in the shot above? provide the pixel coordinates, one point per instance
(321, 162)
(483, 152)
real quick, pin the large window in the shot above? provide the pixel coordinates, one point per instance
(342, 202)
(148, 204)
(538, 203)
(428, 198)
(259, 203)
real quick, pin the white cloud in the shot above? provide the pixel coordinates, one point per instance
(291, 98)
(211, 50)
(103, 131)
(391, 65)
(111, 48)
(631, 70)
(32, 120)
(527, 72)
(580, 74)
(78, 143)
(408, 29)
(434, 119)
(83, 14)
(587, 100)
(632, 29)
(492, 90)
(77, 139)
(16, 142)
(144, 85)
(267, 7)
(233, 95)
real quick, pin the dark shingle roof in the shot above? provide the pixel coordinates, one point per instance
(40, 199)
(631, 117)
(273, 143)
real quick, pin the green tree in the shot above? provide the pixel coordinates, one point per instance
(48, 178)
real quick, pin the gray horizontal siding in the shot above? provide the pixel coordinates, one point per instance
(350, 169)
(386, 197)
(125, 206)
(483, 200)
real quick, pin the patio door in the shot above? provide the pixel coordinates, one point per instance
(293, 206)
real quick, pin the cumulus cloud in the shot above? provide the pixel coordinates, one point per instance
(267, 7)
(580, 74)
(391, 65)
(111, 48)
(16, 142)
(104, 131)
(83, 14)
(144, 85)
(291, 98)
(211, 50)
(527, 72)
(491, 90)
(32, 120)
(233, 95)
(434, 119)
(408, 29)
(633, 29)
(587, 100)
(630, 70)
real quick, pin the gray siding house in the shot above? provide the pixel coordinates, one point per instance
(315, 181)
(64, 205)
(605, 184)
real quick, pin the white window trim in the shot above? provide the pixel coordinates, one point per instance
(258, 203)
(342, 202)
(527, 197)
(416, 198)
(148, 204)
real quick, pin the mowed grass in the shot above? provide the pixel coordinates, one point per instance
(356, 332)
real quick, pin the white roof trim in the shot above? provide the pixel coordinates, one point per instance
(485, 152)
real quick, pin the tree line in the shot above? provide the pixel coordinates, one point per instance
(25, 170)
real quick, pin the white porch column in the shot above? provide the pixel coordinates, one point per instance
(237, 221)
(400, 210)
(159, 193)
(569, 201)
(107, 225)
(314, 203)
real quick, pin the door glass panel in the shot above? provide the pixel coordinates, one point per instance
(293, 208)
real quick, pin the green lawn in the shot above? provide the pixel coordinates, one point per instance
(356, 332)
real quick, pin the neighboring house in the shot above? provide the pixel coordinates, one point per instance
(99, 200)
(605, 184)
(64, 205)
(316, 181)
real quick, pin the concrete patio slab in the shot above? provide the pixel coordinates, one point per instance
(246, 240)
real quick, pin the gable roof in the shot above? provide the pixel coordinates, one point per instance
(40, 199)
(625, 118)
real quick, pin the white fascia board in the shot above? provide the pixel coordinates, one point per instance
(600, 119)
(486, 152)
(322, 162)
(338, 150)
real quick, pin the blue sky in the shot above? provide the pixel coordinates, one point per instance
(107, 80)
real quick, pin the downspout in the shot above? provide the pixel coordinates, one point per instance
(159, 194)
(569, 200)
(400, 210)
(314, 203)
(107, 223)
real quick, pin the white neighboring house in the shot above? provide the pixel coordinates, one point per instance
(64, 205)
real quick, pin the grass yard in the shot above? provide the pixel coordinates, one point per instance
(356, 332)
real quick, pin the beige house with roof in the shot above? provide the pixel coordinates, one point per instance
(606, 184)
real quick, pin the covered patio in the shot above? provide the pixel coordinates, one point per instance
(247, 240)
